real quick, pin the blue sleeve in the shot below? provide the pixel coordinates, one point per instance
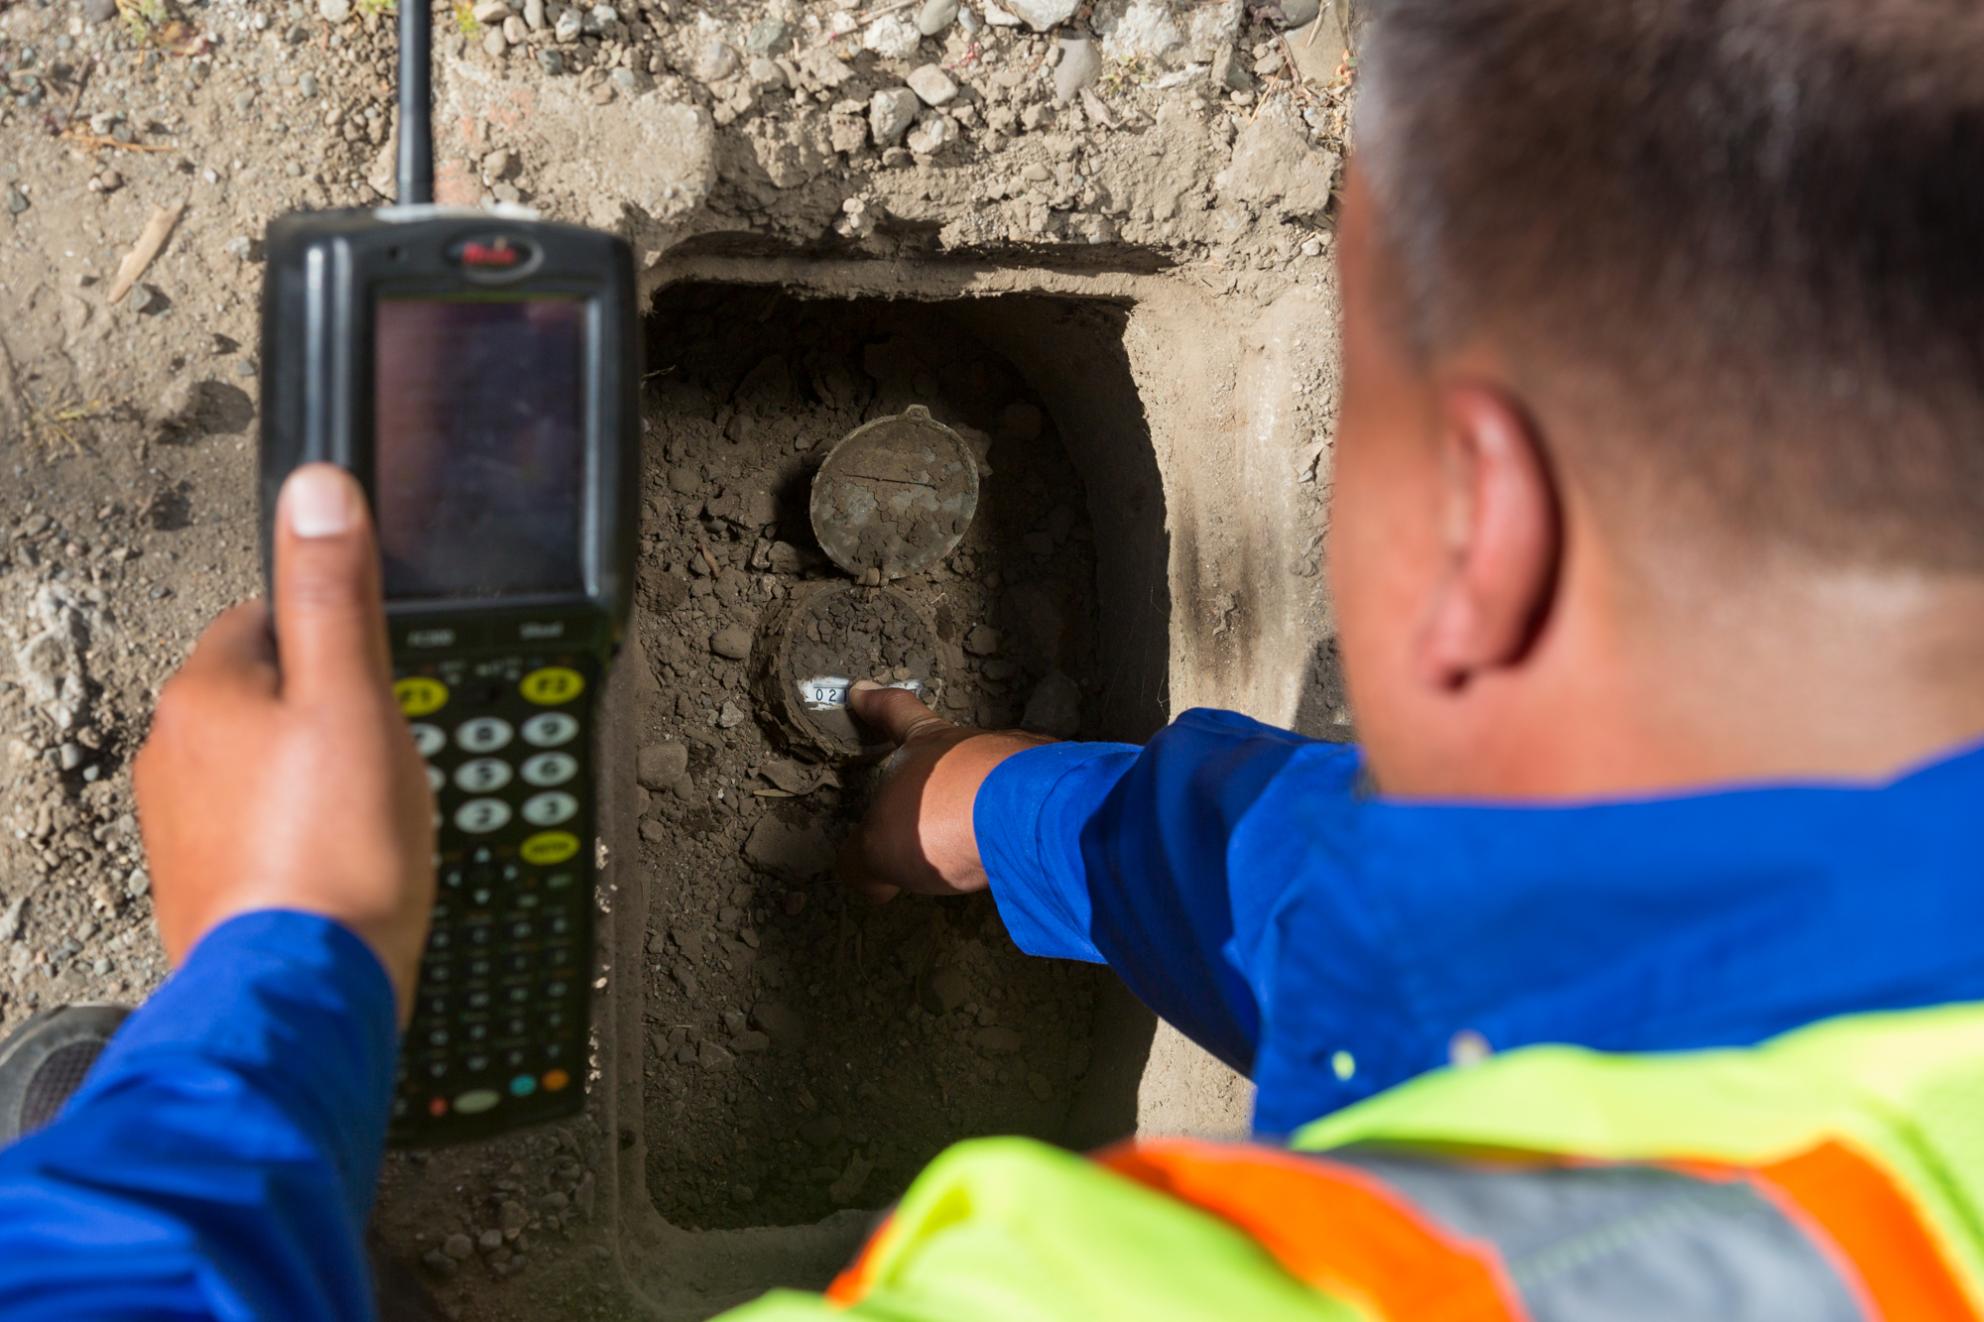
(219, 1161)
(1146, 859)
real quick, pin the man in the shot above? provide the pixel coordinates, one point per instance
(1658, 552)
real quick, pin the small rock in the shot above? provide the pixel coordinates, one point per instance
(489, 1241)
(710, 1056)
(730, 716)
(1040, 15)
(458, 1246)
(799, 852)
(732, 642)
(1080, 66)
(662, 766)
(10, 918)
(852, 1180)
(1055, 708)
(568, 26)
(945, 991)
(69, 756)
(786, 1026)
(534, 15)
(1298, 13)
(515, 30)
(512, 1217)
(334, 11)
(936, 15)
(17, 201)
(890, 112)
(551, 61)
(632, 82)
(770, 37)
(714, 62)
(982, 640)
(137, 883)
(892, 38)
(491, 12)
(1228, 72)
(932, 85)
(928, 138)
(997, 1041)
(99, 11)
(307, 84)
(792, 776)
(439, 1263)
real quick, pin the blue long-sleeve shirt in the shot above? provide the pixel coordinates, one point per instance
(220, 1159)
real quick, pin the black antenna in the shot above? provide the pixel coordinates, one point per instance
(416, 103)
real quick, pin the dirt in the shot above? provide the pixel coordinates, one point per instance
(1177, 156)
(825, 1047)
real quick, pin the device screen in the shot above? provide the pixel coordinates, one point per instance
(479, 428)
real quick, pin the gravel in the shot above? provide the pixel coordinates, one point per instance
(932, 85)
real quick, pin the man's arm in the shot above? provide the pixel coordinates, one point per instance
(1159, 861)
(219, 1160)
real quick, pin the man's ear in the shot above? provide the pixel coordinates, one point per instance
(1503, 539)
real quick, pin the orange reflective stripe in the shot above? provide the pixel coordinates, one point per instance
(1333, 1227)
(1880, 1236)
(855, 1280)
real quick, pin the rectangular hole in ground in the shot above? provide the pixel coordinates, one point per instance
(806, 1052)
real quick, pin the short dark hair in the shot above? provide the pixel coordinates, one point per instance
(1744, 238)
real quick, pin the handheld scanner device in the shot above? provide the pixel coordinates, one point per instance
(476, 371)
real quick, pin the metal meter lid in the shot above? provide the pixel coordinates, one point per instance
(894, 496)
(812, 647)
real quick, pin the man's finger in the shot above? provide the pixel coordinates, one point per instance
(896, 713)
(330, 622)
(237, 648)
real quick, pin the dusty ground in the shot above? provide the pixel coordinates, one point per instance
(1190, 143)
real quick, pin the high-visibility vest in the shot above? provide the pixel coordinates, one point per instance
(1833, 1173)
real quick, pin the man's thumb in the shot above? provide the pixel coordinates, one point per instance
(330, 623)
(895, 713)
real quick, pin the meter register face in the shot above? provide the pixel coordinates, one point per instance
(479, 445)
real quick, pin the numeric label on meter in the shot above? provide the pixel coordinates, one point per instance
(829, 692)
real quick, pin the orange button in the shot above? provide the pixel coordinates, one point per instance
(555, 1080)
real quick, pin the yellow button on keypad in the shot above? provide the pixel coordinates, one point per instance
(548, 847)
(420, 696)
(551, 685)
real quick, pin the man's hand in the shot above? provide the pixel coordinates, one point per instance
(918, 834)
(298, 787)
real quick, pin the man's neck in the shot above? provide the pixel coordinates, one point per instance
(1844, 676)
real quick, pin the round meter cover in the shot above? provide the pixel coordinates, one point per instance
(894, 496)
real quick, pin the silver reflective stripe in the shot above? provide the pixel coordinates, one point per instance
(1624, 1243)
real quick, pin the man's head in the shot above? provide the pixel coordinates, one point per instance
(1652, 308)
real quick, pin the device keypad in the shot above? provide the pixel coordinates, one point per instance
(500, 1016)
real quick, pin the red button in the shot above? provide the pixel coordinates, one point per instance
(490, 254)
(438, 1107)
